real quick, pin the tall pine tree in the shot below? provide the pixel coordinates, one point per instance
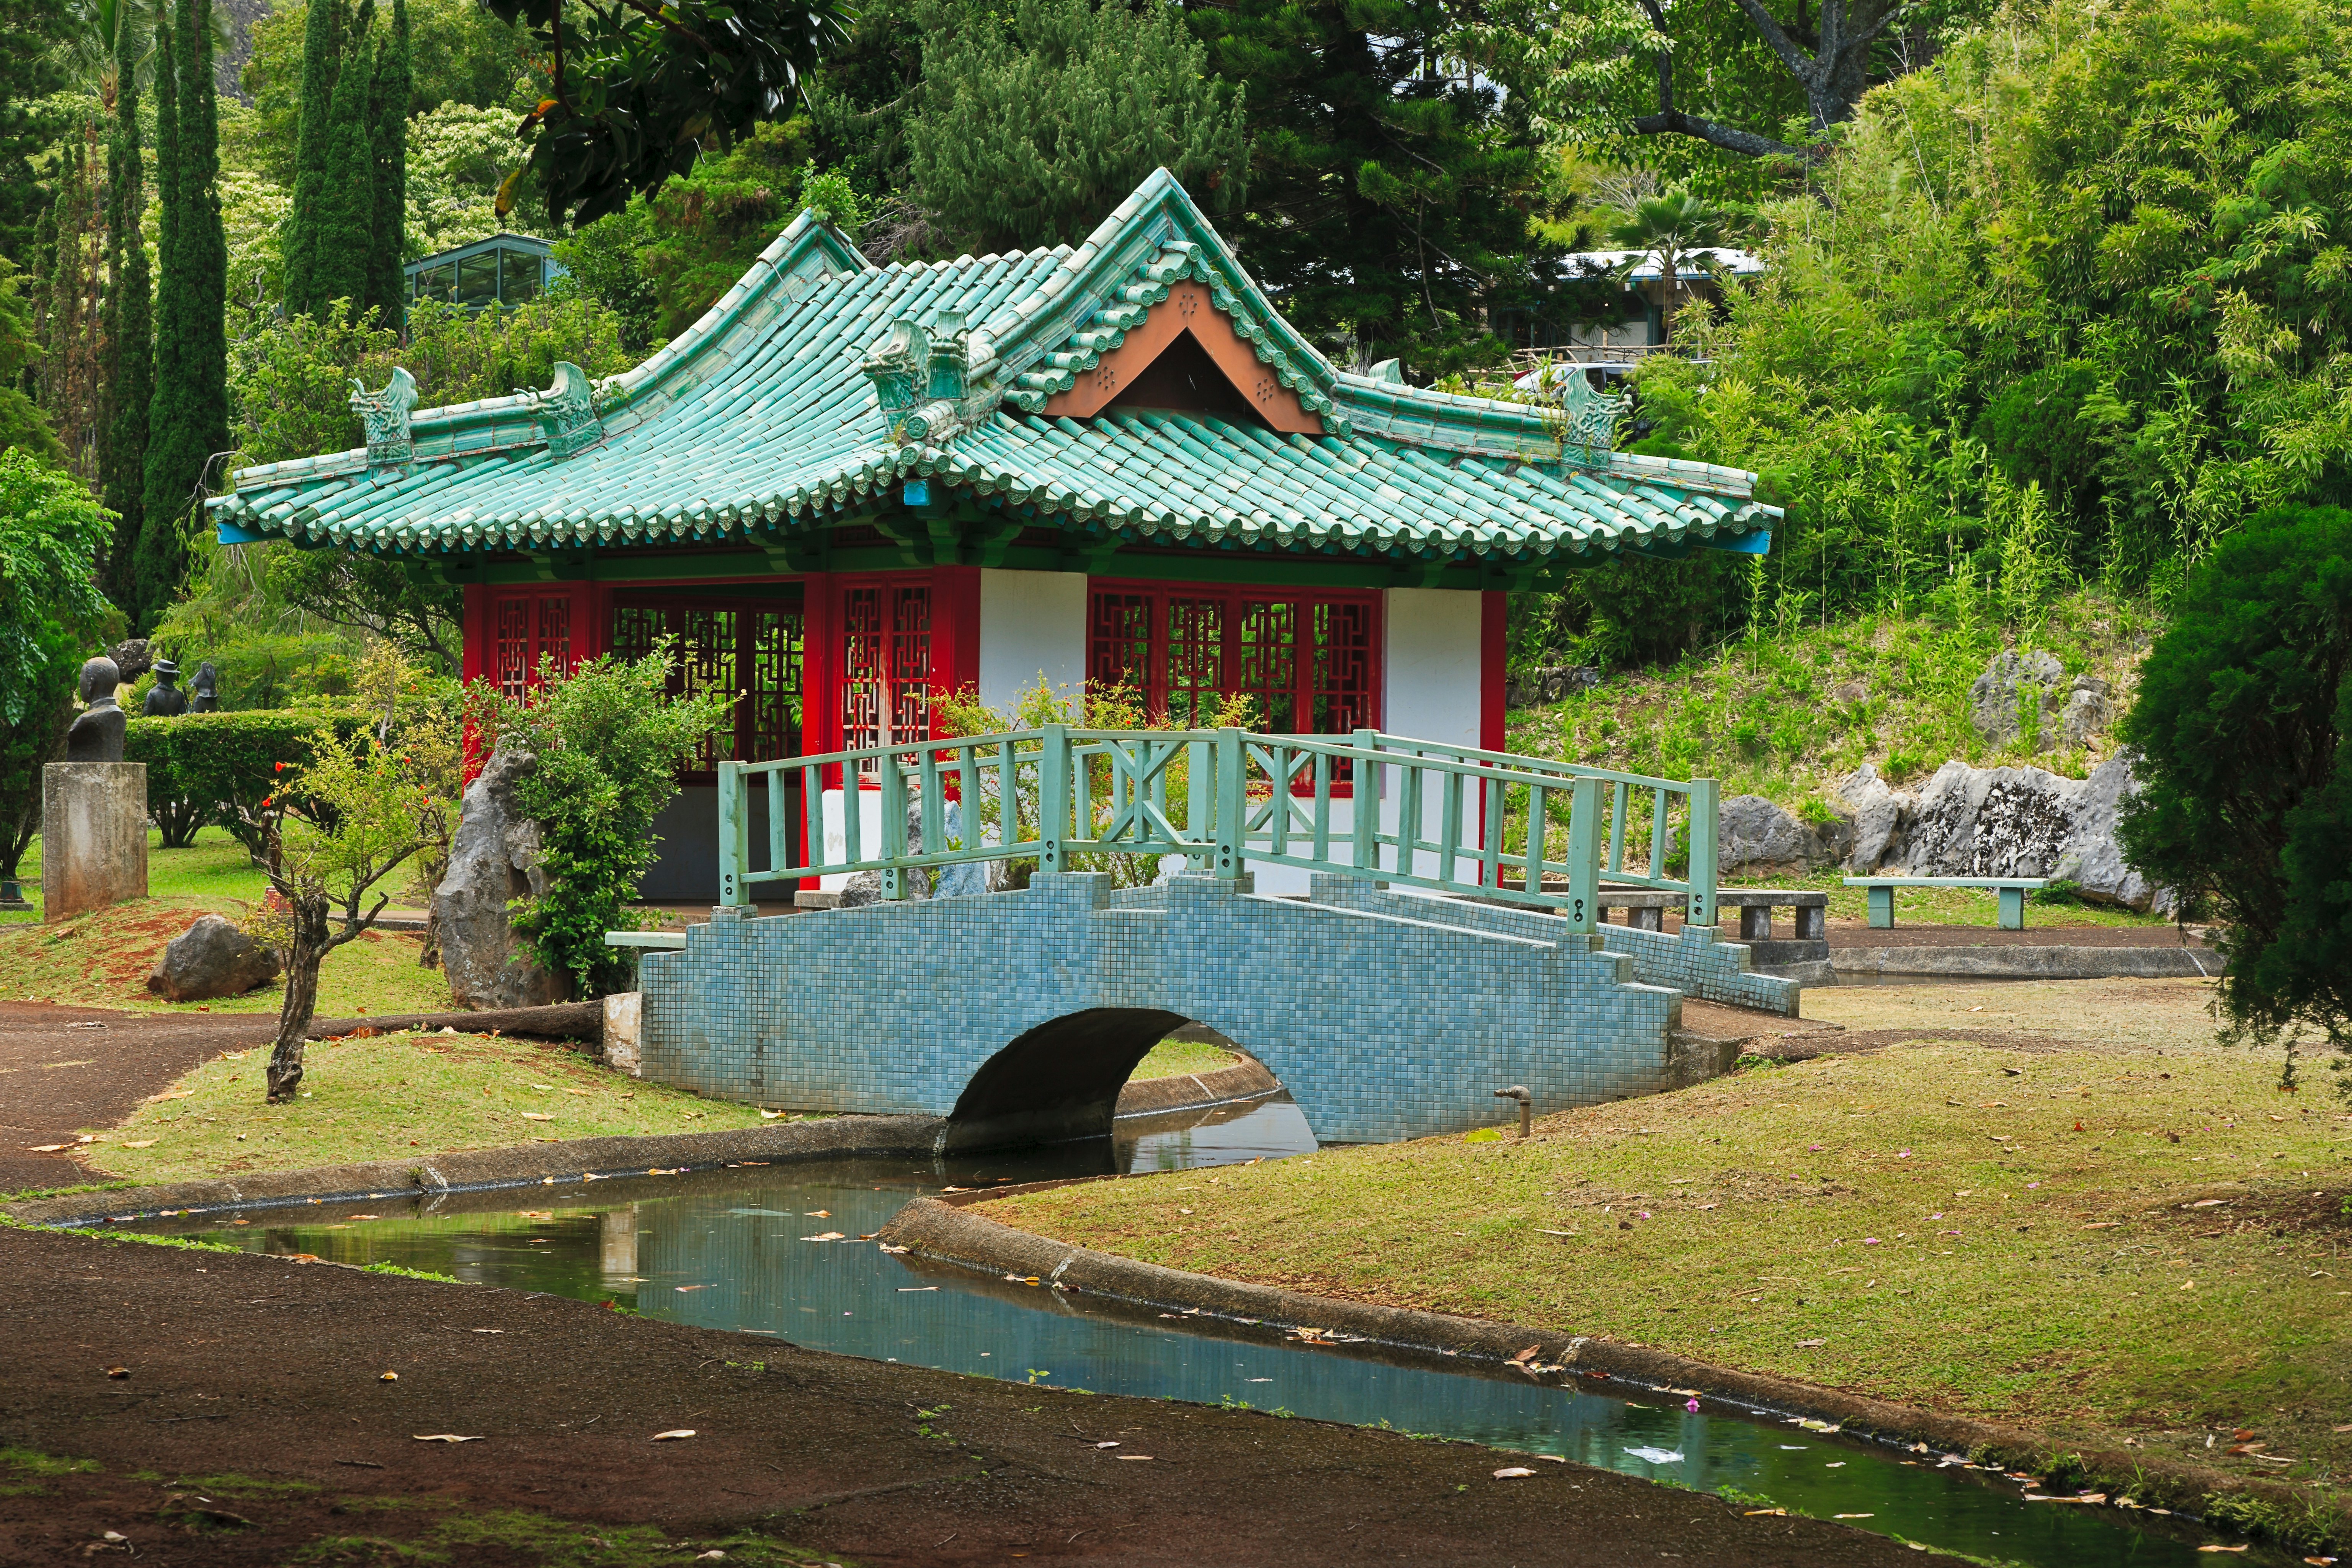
(131, 364)
(1388, 198)
(343, 224)
(389, 103)
(72, 375)
(322, 59)
(189, 422)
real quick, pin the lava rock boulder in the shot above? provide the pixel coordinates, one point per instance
(214, 957)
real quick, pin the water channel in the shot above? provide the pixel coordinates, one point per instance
(733, 1249)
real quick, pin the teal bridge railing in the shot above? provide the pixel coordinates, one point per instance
(1455, 819)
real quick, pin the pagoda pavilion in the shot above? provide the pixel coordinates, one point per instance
(851, 488)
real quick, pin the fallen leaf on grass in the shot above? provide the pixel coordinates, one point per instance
(47, 1148)
(1512, 1472)
(771, 1116)
(537, 1116)
(445, 1437)
(1774, 1513)
(1810, 1344)
(667, 1436)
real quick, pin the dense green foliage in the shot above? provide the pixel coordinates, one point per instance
(1035, 125)
(188, 422)
(50, 529)
(2069, 307)
(30, 70)
(216, 769)
(24, 425)
(2244, 727)
(633, 95)
(130, 326)
(608, 739)
(346, 233)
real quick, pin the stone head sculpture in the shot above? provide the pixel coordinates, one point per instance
(165, 700)
(97, 734)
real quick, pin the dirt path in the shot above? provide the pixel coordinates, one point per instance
(264, 1378)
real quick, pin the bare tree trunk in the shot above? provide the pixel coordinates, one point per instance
(305, 948)
(429, 957)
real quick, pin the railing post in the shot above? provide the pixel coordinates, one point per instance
(1365, 790)
(1583, 855)
(1703, 822)
(734, 836)
(1232, 803)
(1052, 798)
(894, 828)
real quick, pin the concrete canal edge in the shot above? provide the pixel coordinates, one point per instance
(595, 1159)
(953, 1233)
(477, 1169)
(1245, 1079)
(2020, 962)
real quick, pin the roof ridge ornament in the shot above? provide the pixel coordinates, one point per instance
(568, 411)
(384, 416)
(923, 379)
(1589, 422)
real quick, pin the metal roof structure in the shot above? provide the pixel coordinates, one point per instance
(823, 389)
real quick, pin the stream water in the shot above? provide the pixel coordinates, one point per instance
(738, 1250)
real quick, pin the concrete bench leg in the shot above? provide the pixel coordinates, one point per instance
(1646, 920)
(1882, 909)
(2013, 909)
(1812, 924)
(1755, 922)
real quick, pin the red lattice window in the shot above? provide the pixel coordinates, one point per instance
(527, 631)
(1305, 660)
(750, 651)
(885, 664)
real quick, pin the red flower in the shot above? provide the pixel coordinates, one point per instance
(267, 799)
(279, 767)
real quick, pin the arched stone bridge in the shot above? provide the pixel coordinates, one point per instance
(1387, 1014)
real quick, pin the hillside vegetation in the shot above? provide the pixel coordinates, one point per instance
(1787, 712)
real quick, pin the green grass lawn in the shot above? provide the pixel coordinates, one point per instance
(214, 868)
(1171, 1057)
(102, 960)
(391, 1097)
(2135, 1238)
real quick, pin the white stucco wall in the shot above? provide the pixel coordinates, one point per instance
(1430, 681)
(1032, 623)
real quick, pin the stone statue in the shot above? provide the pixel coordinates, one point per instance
(97, 733)
(203, 690)
(164, 699)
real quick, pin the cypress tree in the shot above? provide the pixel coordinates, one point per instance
(189, 421)
(395, 85)
(131, 368)
(322, 56)
(344, 222)
(73, 370)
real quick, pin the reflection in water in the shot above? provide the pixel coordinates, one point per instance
(737, 1250)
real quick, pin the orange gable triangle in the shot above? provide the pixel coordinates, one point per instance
(1186, 315)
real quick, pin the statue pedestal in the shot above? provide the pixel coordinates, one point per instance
(93, 836)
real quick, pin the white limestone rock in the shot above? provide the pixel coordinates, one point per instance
(2091, 858)
(1880, 817)
(1752, 833)
(1998, 696)
(2010, 822)
(493, 859)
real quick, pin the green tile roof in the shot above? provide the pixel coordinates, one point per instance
(762, 421)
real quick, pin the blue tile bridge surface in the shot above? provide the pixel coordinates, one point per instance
(1389, 1003)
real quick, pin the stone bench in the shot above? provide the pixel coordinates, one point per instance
(1646, 909)
(2013, 891)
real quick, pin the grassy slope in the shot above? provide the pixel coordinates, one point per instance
(1926, 1216)
(1792, 712)
(391, 1097)
(103, 958)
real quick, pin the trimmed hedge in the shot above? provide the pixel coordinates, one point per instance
(201, 767)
